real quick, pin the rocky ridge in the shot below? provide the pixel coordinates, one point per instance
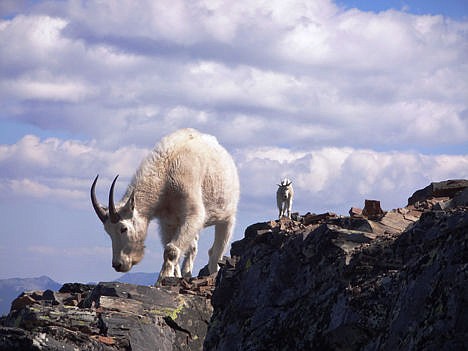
(323, 282)
(375, 280)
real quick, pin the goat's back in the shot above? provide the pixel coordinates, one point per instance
(196, 164)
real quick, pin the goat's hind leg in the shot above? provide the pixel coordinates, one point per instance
(223, 232)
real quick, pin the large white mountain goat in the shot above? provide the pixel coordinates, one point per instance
(284, 198)
(188, 182)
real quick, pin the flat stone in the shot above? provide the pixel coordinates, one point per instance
(355, 212)
(395, 220)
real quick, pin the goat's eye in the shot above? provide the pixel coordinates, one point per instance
(123, 230)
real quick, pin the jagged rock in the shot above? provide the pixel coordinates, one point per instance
(110, 316)
(460, 199)
(312, 218)
(394, 284)
(448, 188)
(76, 288)
(22, 301)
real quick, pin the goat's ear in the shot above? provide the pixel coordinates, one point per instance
(131, 202)
(127, 210)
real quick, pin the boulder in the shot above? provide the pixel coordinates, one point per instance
(372, 209)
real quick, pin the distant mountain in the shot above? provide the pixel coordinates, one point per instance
(139, 278)
(12, 287)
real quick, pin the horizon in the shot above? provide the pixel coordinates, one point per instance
(352, 100)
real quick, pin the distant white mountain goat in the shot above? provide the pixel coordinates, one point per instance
(284, 198)
(188, 182)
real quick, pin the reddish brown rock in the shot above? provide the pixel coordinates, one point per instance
(372, 209)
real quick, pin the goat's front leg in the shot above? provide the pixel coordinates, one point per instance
(170, 267)
(289, 207)
(185, 239)
(279, 203)
(187, 265)
(172, 252)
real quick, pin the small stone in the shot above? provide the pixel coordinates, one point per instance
(107, 340)
(355, 212)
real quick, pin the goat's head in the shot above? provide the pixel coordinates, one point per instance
(283, 188)
(125, 226)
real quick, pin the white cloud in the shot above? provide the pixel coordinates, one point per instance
(39, 35)
(61, 170)
(56, 157)
(338, 178)
(328, 70)
(47, 89)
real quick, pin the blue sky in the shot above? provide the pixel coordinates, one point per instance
(456, 9)
(351, 99)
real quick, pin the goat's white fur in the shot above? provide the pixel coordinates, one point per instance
(188, 182)
(284, 198)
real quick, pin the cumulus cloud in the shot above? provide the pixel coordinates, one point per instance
(338, 178)
(389, 78)
(46, 89)
(56, 157)
(325, 178)
(61, 170)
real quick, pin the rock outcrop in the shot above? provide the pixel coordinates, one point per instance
(439, 190)
(398, 282)
(12, 287)
(111, 316)
(375, 280)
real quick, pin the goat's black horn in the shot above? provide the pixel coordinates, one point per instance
(101, 213)
(113, 214)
